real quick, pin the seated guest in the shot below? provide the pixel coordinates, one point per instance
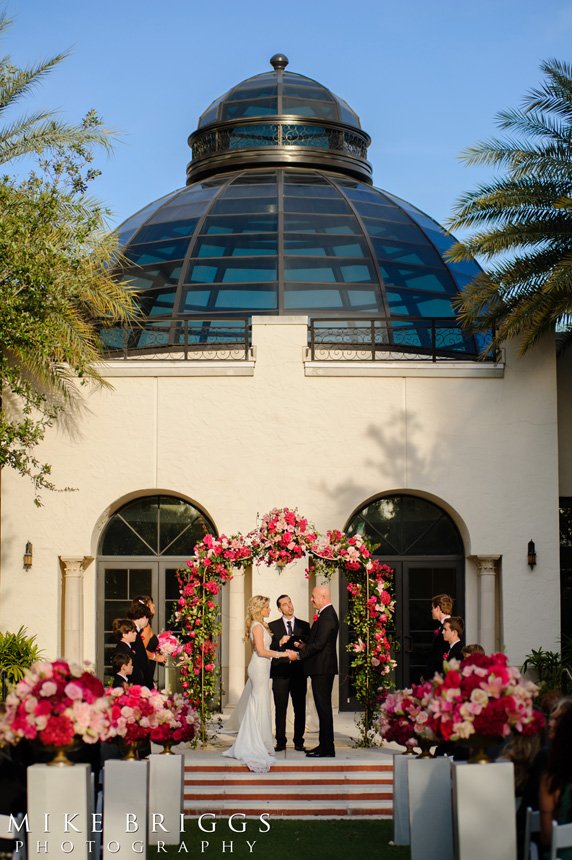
(122, 665)
(555, 795)
(472, 649)
(453, 628)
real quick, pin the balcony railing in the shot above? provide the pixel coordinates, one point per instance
(395, 339)
(184, 338)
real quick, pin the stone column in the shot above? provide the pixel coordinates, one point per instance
(236, 661)
(73, 568)
(487, 570)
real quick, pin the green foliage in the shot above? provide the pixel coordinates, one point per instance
(55, 274)
(552, 668)
(17, 653)
(523, 220)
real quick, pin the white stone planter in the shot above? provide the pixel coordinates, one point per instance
(401, 833)
(125, 805)
(63, 794)
(166, 779)
(430, 809)
(484, 811)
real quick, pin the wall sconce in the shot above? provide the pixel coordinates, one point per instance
(531, 554)
(28, 557)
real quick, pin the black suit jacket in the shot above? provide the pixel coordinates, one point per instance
(320, 656)
(139, 661)
(455, 652)
(438, 650)
(286, 668)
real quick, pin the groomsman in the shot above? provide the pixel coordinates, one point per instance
(453, 629)
(288, 677)
(320, 660)
(441, 608)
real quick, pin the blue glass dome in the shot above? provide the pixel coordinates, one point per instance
(288, 237)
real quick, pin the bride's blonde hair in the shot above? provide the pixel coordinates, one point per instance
(253, 612)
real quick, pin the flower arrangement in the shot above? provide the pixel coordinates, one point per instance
(169, 644)
(403, 715)
(55, 703)
(483, 696)
(283, 537)
(176, 723)
(135, 712)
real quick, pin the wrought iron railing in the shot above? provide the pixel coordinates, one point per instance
(396, 338)
(207, 338)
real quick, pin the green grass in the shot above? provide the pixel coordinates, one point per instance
(321, 840)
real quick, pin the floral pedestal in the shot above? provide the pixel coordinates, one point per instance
(484, 816)
(166, 778)
(430, 809)
(125, 792)
(58, 791)
(401, 834)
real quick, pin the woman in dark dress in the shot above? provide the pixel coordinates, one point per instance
(147, 635)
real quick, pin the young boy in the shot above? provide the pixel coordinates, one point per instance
(453, 629)
(122, 665)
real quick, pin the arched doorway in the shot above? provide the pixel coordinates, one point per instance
(140, 550)
(420, 541)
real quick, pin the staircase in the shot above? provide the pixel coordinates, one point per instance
(355, 783)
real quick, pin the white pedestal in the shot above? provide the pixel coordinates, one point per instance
(401, 833)
(125, 788)
(63, 794)
(166, 777)
(484, 811)
(430, 809)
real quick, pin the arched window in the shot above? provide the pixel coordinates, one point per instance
(421, 542)
(140, 550)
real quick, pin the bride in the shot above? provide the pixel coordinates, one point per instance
(254, 746)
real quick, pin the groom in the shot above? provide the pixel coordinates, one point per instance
(320, 661)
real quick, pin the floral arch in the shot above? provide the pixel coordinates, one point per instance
(282, 537)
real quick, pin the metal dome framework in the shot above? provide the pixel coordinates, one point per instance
(283, 228)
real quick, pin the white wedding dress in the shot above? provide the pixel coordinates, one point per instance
(254, 745)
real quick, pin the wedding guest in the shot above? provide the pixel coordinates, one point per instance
(148, 637)
(125, 632)
(555, 795)
(141, 616)
(122, 665)
(288, 677)
(441, 608)
(453, 629)
(472, 649)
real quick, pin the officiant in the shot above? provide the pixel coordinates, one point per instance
(288, 677)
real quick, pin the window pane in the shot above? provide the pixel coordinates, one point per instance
(417, 279)
(316, 204)
(116, 584)
(154, 276)
(157, 303)
(423, 255)
(255, 223)
(157, 252)
(232, 271)
(167, 230)
(332, 225)
(236, 246)
(141, 515)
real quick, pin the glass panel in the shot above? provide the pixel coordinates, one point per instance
(253, 189)
(373, 209)
(247, 108)
(232, 270)
(157, 252)
(231, 207)
(114, 609)
(300, 107)
(311, 190)
(410, 303)
(393, 230)
(167, 230)
(175, 516)
(263, 297)
(158, 303)
(184, 211)
(325, 246)
(141, 515)
(254, 223)
(308, 135)
(236, 246)
(153, 277)
(140, 582)
(254, 90)
(347, 115)
(197, 300)
(315, 204)
(417, 279)
(321, 272)
(365, 300)
(423, 255)
(116, 582)
(307, 90)
(128, 228)
(338, 225)
(121, 540)
(325, 299)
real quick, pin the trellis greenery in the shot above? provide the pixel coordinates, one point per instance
(283, 537)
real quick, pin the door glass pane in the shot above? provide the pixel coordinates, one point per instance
(120, 539)
(142, 516)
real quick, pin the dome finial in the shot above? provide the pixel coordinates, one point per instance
(279, 62)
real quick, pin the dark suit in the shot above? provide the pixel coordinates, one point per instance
(455, 652)
(288, 679)
(438, 650)
(320, 660)
(139, 660)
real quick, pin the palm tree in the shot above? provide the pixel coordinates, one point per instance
(523, 220)
(39, 131)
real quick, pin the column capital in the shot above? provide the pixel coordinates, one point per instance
(486, 564)
(75, 565)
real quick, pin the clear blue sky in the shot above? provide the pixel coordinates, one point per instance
(426, 78)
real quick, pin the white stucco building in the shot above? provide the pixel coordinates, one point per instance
(299, 350)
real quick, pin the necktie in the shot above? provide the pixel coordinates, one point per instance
(289, 627)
